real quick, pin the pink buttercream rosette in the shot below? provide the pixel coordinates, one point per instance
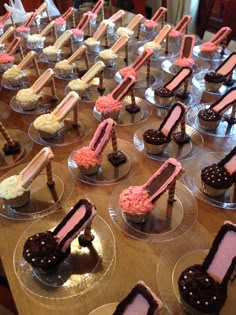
(107, 104)
(128, 71)
(150, 24)
(6, 58)
(184, 62)
(135, 201)
(86, 157)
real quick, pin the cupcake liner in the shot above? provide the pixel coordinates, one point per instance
(212, 86)
(136, 218)
(211, 191)
(5, 66)
(164, 101)
(88, 171)
(154, 148)
(114, 115)
(207, 54)
(208, 125)
(18, 201)
(29, 105)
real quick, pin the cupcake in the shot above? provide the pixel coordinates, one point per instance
(13, 76)
(36, 41)
(164, 96)
(108, 107)
(23, 31)
(208, 50)
(47, 125)
(27, 99)
(155, 141)
(52, 53)
(208, 119)
(92, 44)
(6, 61)
(13, 193)
(87, 161)
(64, 69)
(78, 35)
(135, 204)
(213, 81)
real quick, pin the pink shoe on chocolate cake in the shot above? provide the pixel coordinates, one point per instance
(137, 202)
(218, 178)
(203, 288)
(210, 118)
(141, 300)
(46, 250)
(155, 140)
(222, 75)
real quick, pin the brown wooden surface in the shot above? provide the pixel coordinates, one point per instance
(135, 259)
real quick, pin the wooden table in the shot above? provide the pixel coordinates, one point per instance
(135, 259)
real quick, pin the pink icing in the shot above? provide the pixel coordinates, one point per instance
(60, 21)
(86, 157)
(231, 165)
(108, 123)
(177, 79)
(1, 25)
(106, 104)
(5, 58)
(22, 28)
(228, 66)
(128, 71)
(175, 33)
(223, 257)
(77, 31)
(208, 46)
(184, 62)
(150, 24)
(135, 200)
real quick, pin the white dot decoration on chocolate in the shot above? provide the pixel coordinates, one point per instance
(214, 297)
(33, 259)
(198, 302)
(49, 260)
(184, 288)
(190, 293)
(206, 303)
(185, 277)
(42, 243)
(207, 280)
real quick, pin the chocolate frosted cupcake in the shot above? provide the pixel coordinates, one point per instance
(164, 96)
(213, 81)
(208, 119)
(199, 292)
(215, 180)
(155, 141)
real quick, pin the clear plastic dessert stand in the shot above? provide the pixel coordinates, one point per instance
(69, 134)
(43, 199)
(223, 130)
(45, 104)
(76, 275)
(218, 57)
(199, 82)
(166, 222)
(107, 309)
(108, 174)
(125, 118)
(180, 152)
(193, 180)
(193, 97)
(25, 147)
(169, 68)
(175, 259)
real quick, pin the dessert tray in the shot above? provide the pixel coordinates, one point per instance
(26, 146)
(199, 66)
(46, 103)
(176, 259)
(199, 82)
(108, 174)
(193, 180)
(192, 98)
(43, 199)
(127, 119)
(223, 130)
(69, 134)
(183, 152)
(106, 309)
(217, 57)
(77, 274)
(165, 222)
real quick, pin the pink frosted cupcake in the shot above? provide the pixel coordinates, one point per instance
(87, 160)
(108, 107)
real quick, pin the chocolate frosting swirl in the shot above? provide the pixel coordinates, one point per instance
(42, 251)
(214, 77)
(198, 289)
(163, 92)
(153, 136)
(216, 176)
(208, 115)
